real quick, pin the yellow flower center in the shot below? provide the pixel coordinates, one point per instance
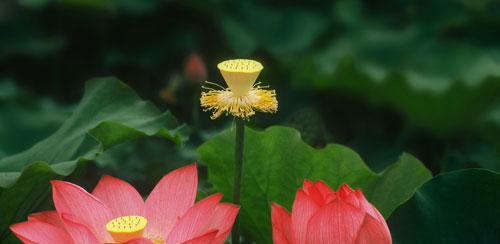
(126, 228)
(155, 239)
(240, 74)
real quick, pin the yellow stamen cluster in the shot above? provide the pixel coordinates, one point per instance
(126, 228)
(224, 101)
(242, 97)
(155, 239)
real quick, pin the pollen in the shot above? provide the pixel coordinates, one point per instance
(126, 228)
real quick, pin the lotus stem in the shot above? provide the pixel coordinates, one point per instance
(238, 168)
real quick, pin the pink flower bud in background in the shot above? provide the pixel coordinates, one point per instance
(194, 69)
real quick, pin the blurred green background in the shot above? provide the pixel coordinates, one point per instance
(379, 76)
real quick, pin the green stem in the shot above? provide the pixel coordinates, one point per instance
(238, 167)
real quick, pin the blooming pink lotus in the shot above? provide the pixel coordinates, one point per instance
(322, 216)
(116, 213)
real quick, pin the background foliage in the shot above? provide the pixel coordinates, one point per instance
(380, 77)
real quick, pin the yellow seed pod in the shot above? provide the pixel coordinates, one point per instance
(240, 74)
(126, 228)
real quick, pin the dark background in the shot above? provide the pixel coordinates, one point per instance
(379, 76)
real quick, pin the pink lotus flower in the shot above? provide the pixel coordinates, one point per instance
(116, 213)
(322, 216)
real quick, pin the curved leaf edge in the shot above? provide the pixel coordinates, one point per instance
(375, 176)
(176, 135)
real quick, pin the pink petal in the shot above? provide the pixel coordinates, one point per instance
(336, 223)
(26, 241)
(327, 192)
(80, 233)
(139, 241)
(281, 221)
(303, 208)
(170, 199)
(49, 217)
(369, 208)
(207, 238)
(195, 221)
(223, 220)
(34, 231)
(82, 206)
(348, 195)
(314, 193)
(344, 190)
(307, 183)
(120, 197)
(319, 192)
(373, 232)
